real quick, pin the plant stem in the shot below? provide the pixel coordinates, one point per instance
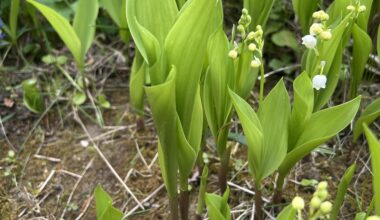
(262, 82)
(223, 171)
(184, 204)
(184, 197)
(258, 202)
(278, 191)
(173, 204)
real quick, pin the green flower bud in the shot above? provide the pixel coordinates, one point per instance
(298, 203)
(322, 185)
(252, 47)
(373, 218)
(351, 8)
(326, 207)
(240, 28)
(315, 202)
(362, 8)
(326, 35)
(255, 63)
(322, 194)
(244, 11)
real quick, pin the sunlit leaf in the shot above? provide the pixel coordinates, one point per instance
(32, 98)
(370, 113)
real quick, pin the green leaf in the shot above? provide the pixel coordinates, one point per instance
(304, 11)
(84, 23)
(374, 147)
(136, 82)
(360, 216)
(274, 113)
(362, 49)
(303, 105)
(363, 17)
(104, 208)
(370, 113)
(322, 126)
(64, 30)
(259, 11)
(378, 43)
(253, 133)
(13, 17)
(342, 190)
(217, 206)
(216, 101)
(102, 99)
(285, 38)
(48, 59)
(185, 48)
(32, 98)
(161, 99)
(114, 9)
(288, 213)
(79, 98)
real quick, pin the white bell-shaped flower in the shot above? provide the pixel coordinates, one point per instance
(319, 82)
(309, 41)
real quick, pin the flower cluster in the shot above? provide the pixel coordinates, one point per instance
(317, 30)
(253, 40)
(2, 35)
(319, 207)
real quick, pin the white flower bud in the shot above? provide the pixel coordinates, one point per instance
(309, 41)
(84, 143)
(298, 203)
(326, 35)
(326, 207)
(255, 63)
(252, 47)
(323, 64)
(315, 202)
(233, 54)
(319, 82)
(316, 29)
(324, 16)
(351, 8)
(362, 8)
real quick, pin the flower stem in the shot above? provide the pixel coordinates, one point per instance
(184, 199)
(278, 191)
(262, 82)
(173, 204)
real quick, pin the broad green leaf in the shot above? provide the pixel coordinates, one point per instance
(253, 133)
(216, 101)
(32, 98)
(374, 147)
(362, 49)
(161, 99)
(185, 48)
(79, 98)
(322, 126)
(259, 11)
(338, 10)
(288, 213)
(274, 114)
(117, 10)
(104, 208)
(217, 206)
(162, 15)
(64, 30)
(370, 113)
(84, 23)
(136, 82)
(114, 9)
(286, 38)
(342, 190)
(303, 105)
(304, 11)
